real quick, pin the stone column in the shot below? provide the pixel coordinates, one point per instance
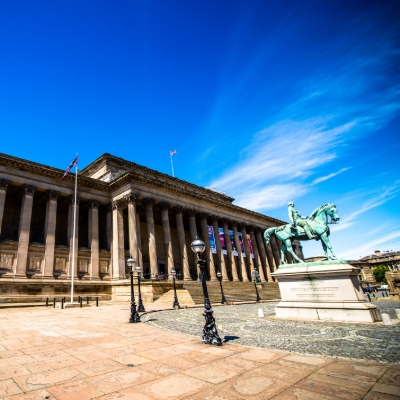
(182, 243)
(24, 229)
(257, 258)
(169, 257)
(139, 241)
(275, 251)
(247, 249)
(263, 254)
(133, 242)
(193, 231)
(220, 256)
(94, 238)
(229, 250)
(151, 237)
(71, 233)
(50, 232)
(118, 252)
(208, 251)
(3, 189)
(241, 260)
(192, 224)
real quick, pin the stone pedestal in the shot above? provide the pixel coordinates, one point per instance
(325, 290)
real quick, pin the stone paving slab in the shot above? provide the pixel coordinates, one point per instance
(241, 324)
(94, 353)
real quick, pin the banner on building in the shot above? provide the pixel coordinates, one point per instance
(234, 248)
(250, 246)
(212, 239)
(222, 238)
(241, 244)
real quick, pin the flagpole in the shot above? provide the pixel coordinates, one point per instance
(73, 235)
(172, 165)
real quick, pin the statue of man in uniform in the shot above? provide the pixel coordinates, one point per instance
(297, 220)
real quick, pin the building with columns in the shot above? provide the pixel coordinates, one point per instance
(122, 208)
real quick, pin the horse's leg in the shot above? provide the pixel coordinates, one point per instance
(283, 249)
(327, 246)
(288, 244)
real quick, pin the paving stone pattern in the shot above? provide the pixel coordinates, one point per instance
(94, 353)
(240, 324)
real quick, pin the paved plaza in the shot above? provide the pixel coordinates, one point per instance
(48, 353)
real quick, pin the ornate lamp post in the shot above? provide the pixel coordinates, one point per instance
(219, 277)
(139, 277)
(210, 333)
(134, 314)
(176, 302)
(256, 279)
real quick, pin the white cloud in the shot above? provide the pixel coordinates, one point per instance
(326, 177)
(369, 247)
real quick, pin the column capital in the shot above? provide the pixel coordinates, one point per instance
(149, 201)
(109, 207)
(53, 194)
(117, 204)
(131, 198)
(178, 209)
(94, 203)
(71, 199)
(29, 189)
(235, 223)
(191, 212)
(165, 206)
(4, 183)
(241, 226)
(204, 215)
(251, 228)
(215, 218)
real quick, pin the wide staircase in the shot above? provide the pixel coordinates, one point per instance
(234, 291)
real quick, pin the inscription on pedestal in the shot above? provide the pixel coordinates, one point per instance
(313, 290)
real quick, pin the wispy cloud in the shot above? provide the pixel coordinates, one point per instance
(326, 177)
(369, 247)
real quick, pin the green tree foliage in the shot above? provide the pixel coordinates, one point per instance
(379, 273)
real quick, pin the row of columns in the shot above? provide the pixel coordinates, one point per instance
(266, 258)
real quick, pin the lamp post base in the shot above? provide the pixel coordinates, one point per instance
(135, 317)
(210, 333)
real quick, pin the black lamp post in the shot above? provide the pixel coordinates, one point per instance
(256, 279)
(176, 302)
(219, 277)
(134, 313)
(139, 277)
(210, 333)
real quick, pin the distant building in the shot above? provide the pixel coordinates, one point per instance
(391, 259)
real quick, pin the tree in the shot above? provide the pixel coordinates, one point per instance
(379, 273)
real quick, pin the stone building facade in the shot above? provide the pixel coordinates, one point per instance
(123, 208)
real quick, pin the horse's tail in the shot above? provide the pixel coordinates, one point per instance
(268, 233)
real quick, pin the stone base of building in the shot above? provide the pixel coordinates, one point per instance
(37, 290)
(324, 290)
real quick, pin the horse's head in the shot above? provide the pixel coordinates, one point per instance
(332, 212)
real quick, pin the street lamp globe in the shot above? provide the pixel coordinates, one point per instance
(138, 269)
(130, 262)
(198, 245)
(219, 275)
(173, 272)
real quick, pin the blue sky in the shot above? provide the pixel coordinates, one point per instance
(269, 101)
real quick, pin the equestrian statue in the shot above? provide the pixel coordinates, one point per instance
(305, 228)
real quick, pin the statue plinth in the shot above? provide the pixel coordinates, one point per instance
(324, 290)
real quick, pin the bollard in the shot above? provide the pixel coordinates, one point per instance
(54, 303)
(87, 300)
(369, 297)
(62, 304)
(260, 313)
(397, 312)
(97, 301)
(47, 301)
(386, 319)
(80, 301)
(373, 294)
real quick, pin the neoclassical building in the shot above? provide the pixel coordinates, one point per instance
(123, 208)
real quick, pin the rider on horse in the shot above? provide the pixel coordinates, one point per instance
(297, 220)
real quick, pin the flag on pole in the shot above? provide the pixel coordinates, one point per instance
(73, 164)
(172, 152)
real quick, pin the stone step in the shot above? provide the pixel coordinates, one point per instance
(184, 298)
